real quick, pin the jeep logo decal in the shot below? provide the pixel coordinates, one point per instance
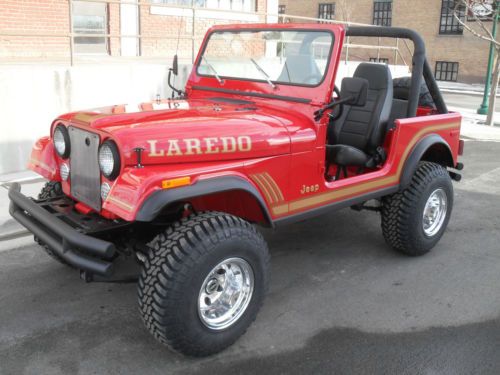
(200, 146)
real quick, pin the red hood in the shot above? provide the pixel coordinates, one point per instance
(189, 130)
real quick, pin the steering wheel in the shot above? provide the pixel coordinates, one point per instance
(338, 109)
(337, 91)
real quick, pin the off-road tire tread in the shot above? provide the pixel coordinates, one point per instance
(167, 267)
(398, 207)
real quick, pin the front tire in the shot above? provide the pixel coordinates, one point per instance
(414, 220)
(203, 282)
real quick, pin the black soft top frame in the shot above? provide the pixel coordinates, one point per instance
(421, 68)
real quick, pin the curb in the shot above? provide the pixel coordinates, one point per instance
(11, 229)
(25, 181)
(461, 92)
(14, 235)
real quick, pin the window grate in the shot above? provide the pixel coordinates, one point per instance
(449, 25)
(382, 13)
(326, 11)
(382, 60)
(88, 19)
(282, 10)
(237, 5)
(446, 71)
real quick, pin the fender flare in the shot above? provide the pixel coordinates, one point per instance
(416, 155)
(153, 205)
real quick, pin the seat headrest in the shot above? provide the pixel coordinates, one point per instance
(378, 75)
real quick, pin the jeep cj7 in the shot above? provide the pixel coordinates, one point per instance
(169, 191)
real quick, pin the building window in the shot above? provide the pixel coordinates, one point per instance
(282, 10)
(88, 19)
(238, 5)
(326, 11)
(382, 12)
(446, 71)
(382, 60)
(449, 24)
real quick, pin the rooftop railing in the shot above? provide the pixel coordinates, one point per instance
(188, 17)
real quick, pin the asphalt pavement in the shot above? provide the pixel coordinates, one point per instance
(340, 302)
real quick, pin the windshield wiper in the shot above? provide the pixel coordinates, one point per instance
(266, 76)
(213, 70)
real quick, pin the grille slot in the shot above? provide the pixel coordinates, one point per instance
(84, 172)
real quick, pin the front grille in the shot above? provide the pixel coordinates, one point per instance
(85, 177)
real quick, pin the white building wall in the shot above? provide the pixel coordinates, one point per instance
(31, 97)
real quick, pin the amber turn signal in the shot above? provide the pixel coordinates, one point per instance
(176, 182)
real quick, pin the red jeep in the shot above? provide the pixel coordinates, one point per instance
(168, 191)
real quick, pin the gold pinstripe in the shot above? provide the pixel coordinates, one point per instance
(269, 186)
(89, 117)
(119, 202)
(257, 180)
(362, 186)
(275, 186)
(42, 165)
(271, 191)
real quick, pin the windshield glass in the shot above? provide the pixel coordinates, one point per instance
(275, 56)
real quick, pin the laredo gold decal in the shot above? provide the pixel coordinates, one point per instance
(152, 150)
(362, 187)
(119, 202)
(199, 146)
(269, 187)
(88, 117)
(173, 148)
(42, 165)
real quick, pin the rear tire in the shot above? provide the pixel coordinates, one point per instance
(414, 220)
(51, 189)
(193, 272)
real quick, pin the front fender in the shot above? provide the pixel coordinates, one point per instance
(160, 199)
(43, 161)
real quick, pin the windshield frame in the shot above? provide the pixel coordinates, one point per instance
(259, 29)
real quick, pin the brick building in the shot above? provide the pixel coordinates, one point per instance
(454, 53)
(39, 30)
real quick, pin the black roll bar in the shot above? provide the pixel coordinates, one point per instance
(421, 68)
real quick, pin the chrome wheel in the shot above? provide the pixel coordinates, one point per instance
(435, 211)
(225, 293)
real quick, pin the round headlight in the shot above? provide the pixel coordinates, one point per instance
(64, 171)
(109, 160)
(105, 188)
(61, 141)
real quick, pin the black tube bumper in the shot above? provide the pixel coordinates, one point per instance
(66, 241)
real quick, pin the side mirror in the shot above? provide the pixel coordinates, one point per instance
(175, 66)
(175, 71)
(354, 91)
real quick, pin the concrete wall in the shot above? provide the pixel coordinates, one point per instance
(32, 96)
